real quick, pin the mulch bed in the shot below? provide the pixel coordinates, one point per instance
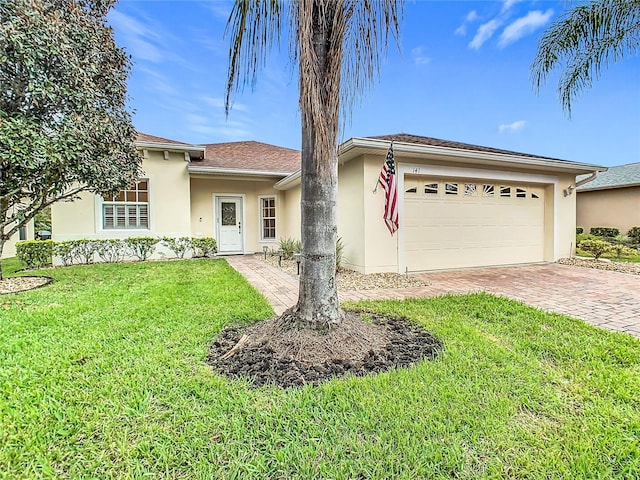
(278, 353)
(22, 284)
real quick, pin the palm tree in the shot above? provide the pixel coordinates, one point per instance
(332, 41)
(584, 39)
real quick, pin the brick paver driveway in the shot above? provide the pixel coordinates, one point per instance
(606, 299)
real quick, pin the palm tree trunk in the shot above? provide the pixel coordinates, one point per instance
(318, 306)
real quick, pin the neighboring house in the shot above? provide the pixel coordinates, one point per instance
(25, 233)
(612, 199)
(460, 205)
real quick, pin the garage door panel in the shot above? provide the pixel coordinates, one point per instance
(453, 231)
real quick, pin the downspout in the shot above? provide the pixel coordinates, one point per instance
(587, 180)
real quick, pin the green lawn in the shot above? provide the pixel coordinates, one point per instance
(102, 375)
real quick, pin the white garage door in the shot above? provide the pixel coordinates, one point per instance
(455, 223)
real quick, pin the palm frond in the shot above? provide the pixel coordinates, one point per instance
(584, 40)
(254, 26)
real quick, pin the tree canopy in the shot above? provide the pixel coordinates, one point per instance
(64, 122)
(583, 40)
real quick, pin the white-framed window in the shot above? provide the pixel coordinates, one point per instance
(431, 188)
(129, 209)
(267, 218)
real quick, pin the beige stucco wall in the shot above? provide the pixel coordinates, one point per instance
(350, 214)
(9, 249)
(203, 214)
(291, 221)
(169, 205)
(617, 208)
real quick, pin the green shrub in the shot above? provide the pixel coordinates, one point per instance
(65, 251)
(204, 247)
(141, 247)
(290, 246)
(596, 247)
(84, 250)
(579, 230)
(178, 246)
(585, 236)
(34, 253)
(620, 250)
(634, 234)
(110, 250)
(604, 231)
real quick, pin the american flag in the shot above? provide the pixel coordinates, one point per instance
(388, 181)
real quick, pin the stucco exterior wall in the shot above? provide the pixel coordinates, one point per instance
(380, 247)
(350, 218)
(203, 212)
(169, 205)
(617, 208)
(9, 249)
(564, 219)
(291, 217)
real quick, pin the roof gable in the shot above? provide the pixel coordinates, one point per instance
(145, 137)
(615, 177)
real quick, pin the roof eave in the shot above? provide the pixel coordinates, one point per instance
(357, 146)
(608, 187)
(235, 172)
(195, 151)
(289, 182)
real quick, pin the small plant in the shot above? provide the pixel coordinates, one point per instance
(339, 252)
(65, 251)
(178, 246)
(579, 230)
(621, 250)
(141, 247)
(34, 253)
(607, 232)
(204, 247)
(84, 250)
(110, 250)
(595, 247)
(634, 234)
(290, 246)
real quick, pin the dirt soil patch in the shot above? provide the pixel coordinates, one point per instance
(277, 353)
(21, 284)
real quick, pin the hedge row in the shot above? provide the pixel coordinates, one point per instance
(610, 232)
(37, 253)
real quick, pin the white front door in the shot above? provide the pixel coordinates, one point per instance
(229, 224)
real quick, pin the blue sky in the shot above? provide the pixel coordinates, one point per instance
(461, 73)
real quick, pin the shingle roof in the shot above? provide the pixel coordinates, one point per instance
(250, 155)
(145, 137)
(616, 177)
(436, 142)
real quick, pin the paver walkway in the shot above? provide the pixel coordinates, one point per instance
(606, 299)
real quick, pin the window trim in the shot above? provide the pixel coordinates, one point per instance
(101, 202)
(261, 218)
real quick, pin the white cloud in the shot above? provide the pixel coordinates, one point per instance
(471, 17)
(506, 6)
(512, 127)
(524, 26)
(484, 33)
(419, 56)
(218, 102)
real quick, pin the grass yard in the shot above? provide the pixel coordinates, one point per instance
(612, 257)
(102, 375)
